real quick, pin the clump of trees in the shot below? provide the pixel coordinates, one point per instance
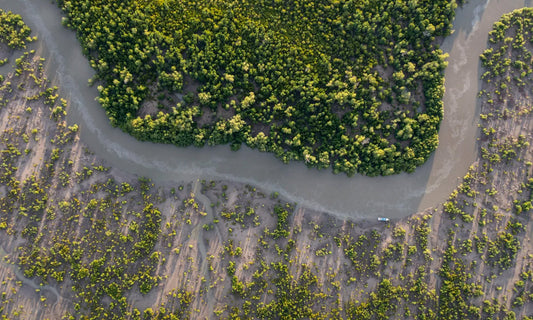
(507, 61)
(352, 85)
(13, 31)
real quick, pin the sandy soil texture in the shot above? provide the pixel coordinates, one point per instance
(236, 251)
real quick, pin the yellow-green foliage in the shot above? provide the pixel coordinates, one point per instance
(13, 31)
(306, 80)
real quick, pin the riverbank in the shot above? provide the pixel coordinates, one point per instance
(356, 197)
(117, 244)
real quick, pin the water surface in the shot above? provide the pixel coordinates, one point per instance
(358, 196)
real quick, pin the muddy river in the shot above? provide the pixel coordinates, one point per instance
(358, 196)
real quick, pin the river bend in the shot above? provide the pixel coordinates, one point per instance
(357, 197)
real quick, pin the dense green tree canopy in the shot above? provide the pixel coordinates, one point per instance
(352, 84)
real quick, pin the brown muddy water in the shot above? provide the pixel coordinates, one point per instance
(356, 197)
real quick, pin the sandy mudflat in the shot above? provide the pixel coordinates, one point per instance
(204, 222)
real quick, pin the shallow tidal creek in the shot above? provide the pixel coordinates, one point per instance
(357, 197)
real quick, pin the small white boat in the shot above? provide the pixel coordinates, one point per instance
(383, 219)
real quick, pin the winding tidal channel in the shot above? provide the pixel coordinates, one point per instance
(357, 197)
